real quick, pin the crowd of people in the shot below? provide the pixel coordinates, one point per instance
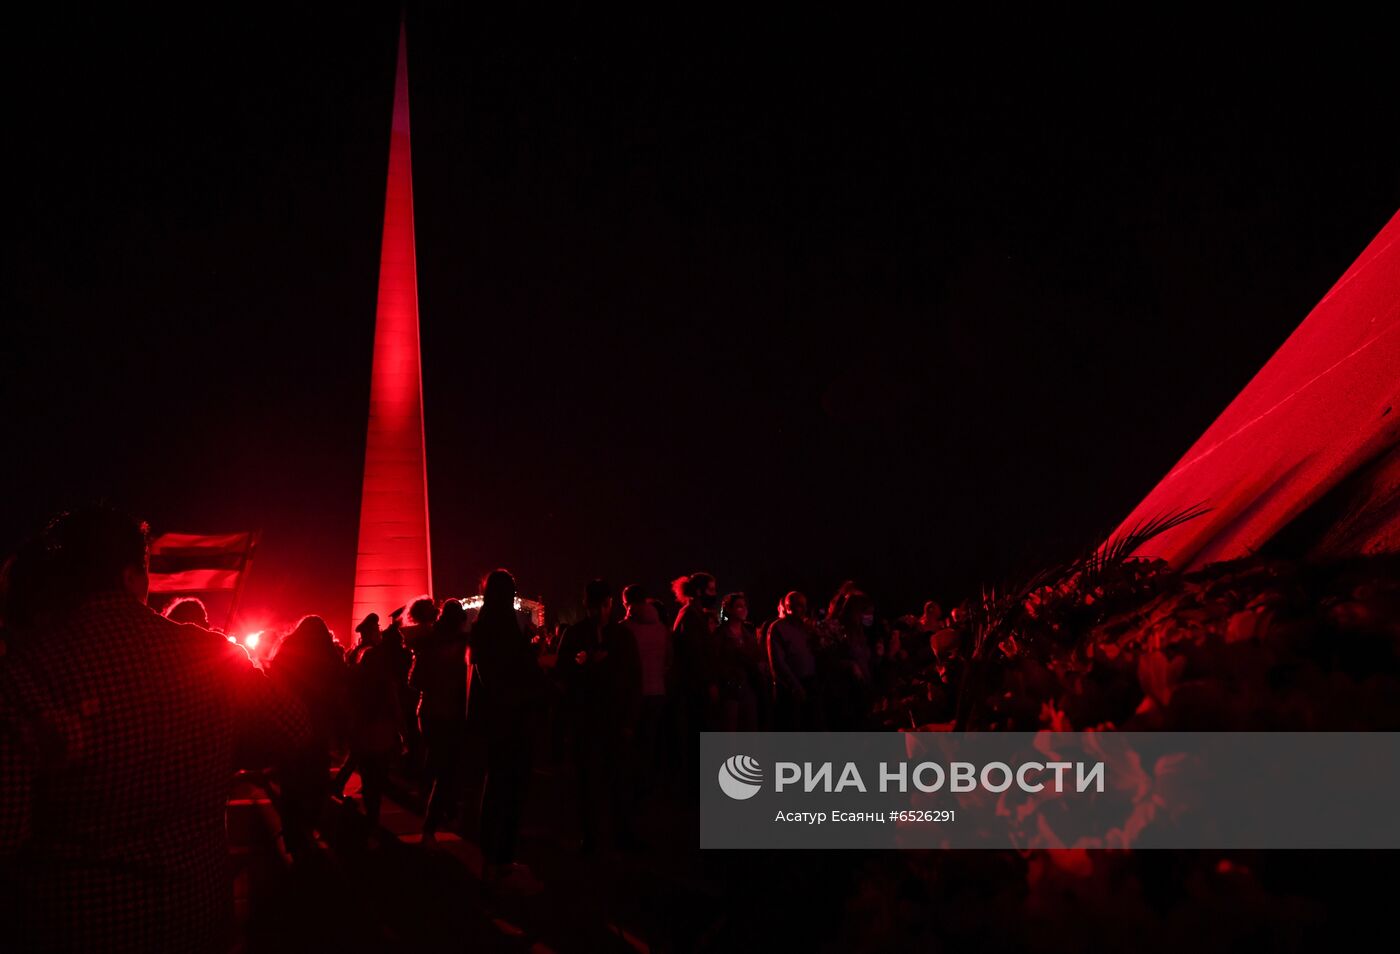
(119, 727)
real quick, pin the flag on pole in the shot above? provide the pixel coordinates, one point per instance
(200, 563)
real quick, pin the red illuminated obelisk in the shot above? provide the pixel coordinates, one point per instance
(393, 562)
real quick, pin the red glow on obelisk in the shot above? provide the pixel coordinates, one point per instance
(393, 562)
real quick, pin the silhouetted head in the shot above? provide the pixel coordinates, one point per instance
(795, 604)
(309, 635)
(423, 611)
(498, 591)
(735, 608)
(699, 587)
(92, 550)
(452, 617)
(836, 609)
(368, 629)
(187, 609)
(598, 598)
(858, 610)
(634, 595)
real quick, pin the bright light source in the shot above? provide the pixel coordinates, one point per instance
(533, 607)
(252, 639)
(476, 602)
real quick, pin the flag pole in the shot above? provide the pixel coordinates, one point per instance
(253, 539)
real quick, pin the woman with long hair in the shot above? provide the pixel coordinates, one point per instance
(855, 659)
(310, 666)
(376, 719)
(738, 671)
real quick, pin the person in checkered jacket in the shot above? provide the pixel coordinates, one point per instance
(118, 730)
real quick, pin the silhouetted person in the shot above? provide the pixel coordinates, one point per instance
(853, 661)
(794, 667)
(905, 654)
(653, 639)
(947, 646)
(187, 609)
(506, 692)
(738, 668)
(931, 621)
(369, 635)
(440, 677)
(376, 717)
(415, 620)
(400, 660)
(696, 693)
(838, 600)
(422, 614)
(601, 675)
(117, 737)
(311, 666)
(556, 635)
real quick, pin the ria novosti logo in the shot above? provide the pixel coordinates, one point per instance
(740, 777)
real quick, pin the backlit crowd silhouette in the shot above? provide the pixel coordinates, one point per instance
(121, 728)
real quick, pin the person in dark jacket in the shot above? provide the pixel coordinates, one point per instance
(440, 677)
(368, 631)
(311, 667)
(376, 720)
(653, 638)
(506, 692)
(696, 694)
(370, 636)
(793, 664)
(738, 667)
(695, 623)
(600, 671)
(118, 734)
(415, 621)
(399, 658)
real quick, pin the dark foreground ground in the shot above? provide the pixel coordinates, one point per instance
(670, 897)
(389, 892)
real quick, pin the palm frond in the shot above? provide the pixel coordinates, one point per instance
(1121, 547)
(1001, 609)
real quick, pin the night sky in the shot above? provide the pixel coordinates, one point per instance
(916, 318)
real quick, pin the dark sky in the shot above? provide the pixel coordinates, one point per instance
(788, 315)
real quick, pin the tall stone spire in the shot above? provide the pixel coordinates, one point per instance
(394, 562)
